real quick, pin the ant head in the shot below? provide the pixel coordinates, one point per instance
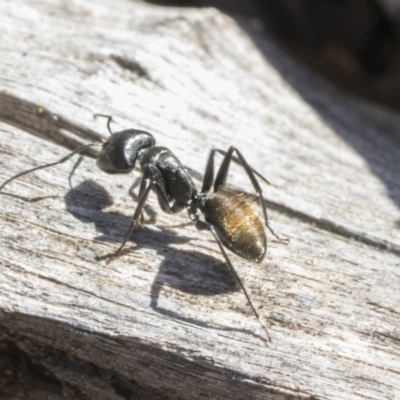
(120, 151)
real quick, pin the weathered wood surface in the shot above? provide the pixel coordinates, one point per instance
(165, 319)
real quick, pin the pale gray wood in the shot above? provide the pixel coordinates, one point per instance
(165, 320)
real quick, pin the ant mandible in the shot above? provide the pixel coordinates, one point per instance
(228, 215)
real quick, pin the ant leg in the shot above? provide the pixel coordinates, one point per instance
(142, 189)
(136, 215)
(62, 160)
(160, 187)
(209, 173)
(233, 271)
(237, 161)
(222, 175)
(76, 165)
(109, 119)
(157, 183)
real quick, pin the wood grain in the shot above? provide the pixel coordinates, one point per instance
(165, 320)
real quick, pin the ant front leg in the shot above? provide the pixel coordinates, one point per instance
(222, 175)
(136, 215)
(142, 190)
(158, 184)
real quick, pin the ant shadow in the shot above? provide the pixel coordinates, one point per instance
(188, 271)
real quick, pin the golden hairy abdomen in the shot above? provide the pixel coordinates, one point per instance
(237, 224)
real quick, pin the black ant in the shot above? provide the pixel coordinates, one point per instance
(228, 215)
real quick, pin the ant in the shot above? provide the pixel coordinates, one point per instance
(228, 215)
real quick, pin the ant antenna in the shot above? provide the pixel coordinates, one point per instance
(67, 157)
(109, 119)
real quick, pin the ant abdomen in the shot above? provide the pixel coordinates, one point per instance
(237, 224)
